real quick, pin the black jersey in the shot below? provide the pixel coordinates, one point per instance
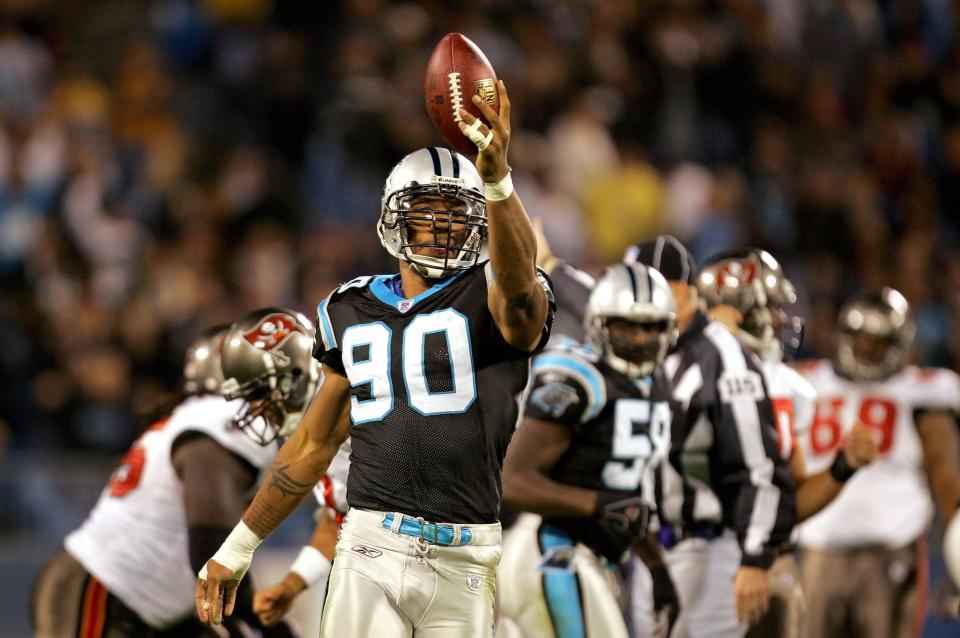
(620, 431)
(433, 399)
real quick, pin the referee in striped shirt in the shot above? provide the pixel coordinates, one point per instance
(726, 500)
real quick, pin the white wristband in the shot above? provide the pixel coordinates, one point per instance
(499, 191)
(236, 552)
(311, 565)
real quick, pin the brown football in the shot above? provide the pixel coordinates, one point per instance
(457, 71)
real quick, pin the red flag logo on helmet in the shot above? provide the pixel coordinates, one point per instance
(272, 332)
(743, 272)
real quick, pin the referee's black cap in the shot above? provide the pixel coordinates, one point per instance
(668, 255)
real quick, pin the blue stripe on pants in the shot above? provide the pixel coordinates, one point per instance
(561, 589)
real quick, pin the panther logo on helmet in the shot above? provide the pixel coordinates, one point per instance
(272, 332)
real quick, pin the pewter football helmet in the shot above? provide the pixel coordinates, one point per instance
(886, 317)
(267, 360)
(436, 172)
(638, 294)
(201, 366)
(753, 282)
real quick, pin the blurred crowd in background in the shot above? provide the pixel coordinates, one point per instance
(168, 165)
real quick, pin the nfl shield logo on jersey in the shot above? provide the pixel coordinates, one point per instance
(404, 305)
(474, 581)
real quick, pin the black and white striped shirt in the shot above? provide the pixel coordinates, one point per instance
(724, 467)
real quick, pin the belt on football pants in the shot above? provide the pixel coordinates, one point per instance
(434, 533)
(670, 535)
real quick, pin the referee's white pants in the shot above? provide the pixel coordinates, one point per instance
(550, 588)
(385, 584)
(703, 572)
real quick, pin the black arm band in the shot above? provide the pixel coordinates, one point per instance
(841, 470)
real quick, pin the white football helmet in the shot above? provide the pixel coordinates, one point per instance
(436, 172)
(638, 294)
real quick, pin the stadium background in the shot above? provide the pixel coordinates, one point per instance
(167, 165)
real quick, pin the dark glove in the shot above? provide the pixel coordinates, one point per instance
(666, 603)
(623, 511)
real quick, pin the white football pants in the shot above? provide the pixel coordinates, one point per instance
(383, 584)
(550, 588)
(703, 572)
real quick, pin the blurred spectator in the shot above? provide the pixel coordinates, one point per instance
(168, 165)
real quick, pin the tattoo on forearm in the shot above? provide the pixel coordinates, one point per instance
(263, 518)
(281, 481)
(268, 510)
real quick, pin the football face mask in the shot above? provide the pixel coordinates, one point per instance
(433, 215)
(642, 344)
(270, 409)
(440, 229)
(875, 333)
(631, 318)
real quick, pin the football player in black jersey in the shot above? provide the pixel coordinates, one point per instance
(421, 370)
(595, 421)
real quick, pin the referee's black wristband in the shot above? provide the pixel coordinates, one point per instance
(841, 470)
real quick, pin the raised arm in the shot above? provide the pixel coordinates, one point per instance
(299, 465)
(516, 299)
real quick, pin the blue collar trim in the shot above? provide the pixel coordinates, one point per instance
(388, 289)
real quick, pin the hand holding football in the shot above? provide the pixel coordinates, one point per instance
(457, 71)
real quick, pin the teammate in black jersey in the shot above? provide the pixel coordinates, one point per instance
(596, 420)
(421, 370)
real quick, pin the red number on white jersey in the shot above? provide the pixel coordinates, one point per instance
(881, 415)
(826, 430)
(126, 478)
(786, 435)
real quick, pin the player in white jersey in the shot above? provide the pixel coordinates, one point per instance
(747, 290)
(864, 564)
(129, 569)
(312, 565)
